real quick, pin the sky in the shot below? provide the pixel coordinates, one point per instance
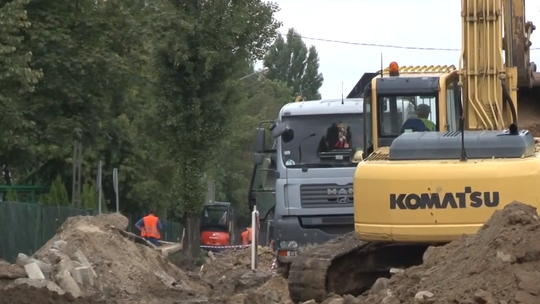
(418, 23)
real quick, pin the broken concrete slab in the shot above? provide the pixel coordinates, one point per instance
(40, 284)
(79, 257)
(83, 275)
(55, 256)
(33, 271)
(67, 283)
(23, 260)
(69, 249)
(64, 265)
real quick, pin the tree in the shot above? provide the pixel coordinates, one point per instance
(89, 196)
(16, 77)
(201, 46)
(292, 62)
(234, 159)
(97, 80)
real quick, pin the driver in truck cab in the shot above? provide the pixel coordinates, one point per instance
(338, 136)
(421, 123)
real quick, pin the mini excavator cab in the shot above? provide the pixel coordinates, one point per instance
(216, 225)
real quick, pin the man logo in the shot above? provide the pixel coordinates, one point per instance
(341, 191)
(342, 194)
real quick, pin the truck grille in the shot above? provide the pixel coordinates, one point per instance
(326, 195)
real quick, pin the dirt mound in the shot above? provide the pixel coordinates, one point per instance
(22, 294)
(123, 268)
(499, 264)
(232, 280)
(229, 260)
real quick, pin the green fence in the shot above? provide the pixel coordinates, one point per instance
(25, 227)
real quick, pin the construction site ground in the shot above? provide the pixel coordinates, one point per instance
(498, 265)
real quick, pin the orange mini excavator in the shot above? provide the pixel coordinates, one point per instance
(216, 226)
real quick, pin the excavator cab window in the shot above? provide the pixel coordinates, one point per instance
(215, 217)
(368, 122)
(454, 106)
(407, 114)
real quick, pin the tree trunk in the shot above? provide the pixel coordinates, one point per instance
(192, 240)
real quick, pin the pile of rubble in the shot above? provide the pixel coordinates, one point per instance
(95, 259)
(233, 282)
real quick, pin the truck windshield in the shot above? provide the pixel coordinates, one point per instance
(323, 140)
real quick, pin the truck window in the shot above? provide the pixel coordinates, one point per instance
(314, 134)
(394, 111)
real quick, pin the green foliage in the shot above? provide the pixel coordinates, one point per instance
(234, 158)
(16, 77)
(199, 53)
(291, 61)
(57, 194)
(89, 196)
(11, 195)
(152, 90)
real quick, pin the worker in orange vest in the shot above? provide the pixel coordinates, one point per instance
(246, 236)
(150, 226)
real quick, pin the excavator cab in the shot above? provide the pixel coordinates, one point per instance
(393, 100)
(216, 226)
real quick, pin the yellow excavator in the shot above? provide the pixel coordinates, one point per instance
(427, 177)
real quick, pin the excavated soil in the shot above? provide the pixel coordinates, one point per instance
(232, 280)
(23, 294)
(127, 272)
(499, 264)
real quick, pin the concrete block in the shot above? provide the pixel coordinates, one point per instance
(45, 268)
(64, 266)
(68, 284)
(55, 256)
(33, 271)
(69, 249)
(77, 276)
(79, 257)
(83, 275)
(22, 259)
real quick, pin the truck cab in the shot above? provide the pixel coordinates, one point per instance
(309, 172)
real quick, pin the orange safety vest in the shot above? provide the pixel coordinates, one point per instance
(150, 228)
(246, 236)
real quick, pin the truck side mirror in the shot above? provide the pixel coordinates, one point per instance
(279, 130)
(258, 159)
(282, 130)
(260, 139)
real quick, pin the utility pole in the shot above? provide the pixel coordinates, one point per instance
(77, 168)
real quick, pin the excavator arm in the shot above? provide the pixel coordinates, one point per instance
(517, 43)
(495, 65)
